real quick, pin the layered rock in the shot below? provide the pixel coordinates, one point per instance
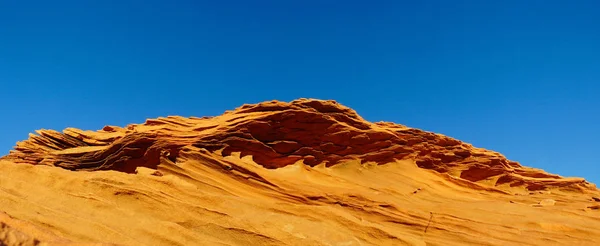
(277, 134)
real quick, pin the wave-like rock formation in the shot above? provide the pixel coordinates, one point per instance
(307, 172)
(277, 134)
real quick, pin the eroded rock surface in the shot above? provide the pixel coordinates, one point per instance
(307, 172)
(278, 134)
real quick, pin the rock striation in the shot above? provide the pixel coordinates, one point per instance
(277, 134)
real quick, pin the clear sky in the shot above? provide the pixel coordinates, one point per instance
(518, 77)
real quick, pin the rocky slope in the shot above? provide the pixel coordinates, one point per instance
(307, 172)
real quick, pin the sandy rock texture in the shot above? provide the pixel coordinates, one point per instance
(306, 172)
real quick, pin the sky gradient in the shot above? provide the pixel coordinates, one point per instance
(518, 77)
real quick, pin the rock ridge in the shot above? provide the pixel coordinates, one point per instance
(277, 134)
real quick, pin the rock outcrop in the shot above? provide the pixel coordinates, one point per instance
(278, 134)
(307, 172)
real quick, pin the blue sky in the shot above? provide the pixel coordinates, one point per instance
(518, 77)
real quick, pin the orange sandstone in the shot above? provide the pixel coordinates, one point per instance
(365, 183)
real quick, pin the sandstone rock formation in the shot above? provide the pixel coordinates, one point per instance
(277, 134)
(366, 174)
